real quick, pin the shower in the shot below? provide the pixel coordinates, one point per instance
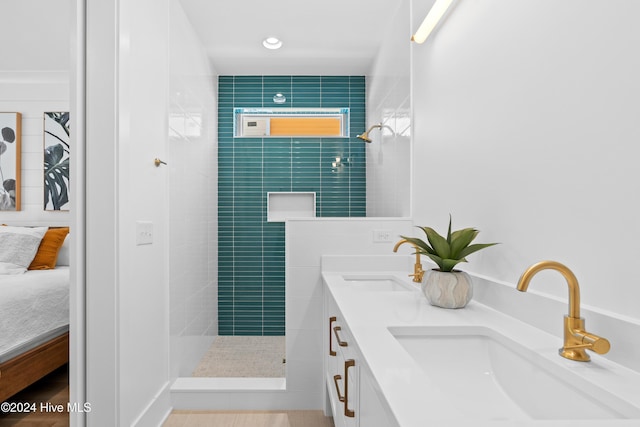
(365, 136)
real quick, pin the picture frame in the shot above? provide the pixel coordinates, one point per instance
(56, 161)
(10, 160)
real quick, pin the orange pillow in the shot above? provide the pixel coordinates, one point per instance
(50, 245)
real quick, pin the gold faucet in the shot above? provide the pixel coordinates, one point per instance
(418, 272)
(576, 339)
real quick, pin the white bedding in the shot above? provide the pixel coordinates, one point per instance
(31, 306)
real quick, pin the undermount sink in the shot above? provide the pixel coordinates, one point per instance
(491, 377)
(377, 283)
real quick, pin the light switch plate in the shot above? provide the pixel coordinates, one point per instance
(381, 236)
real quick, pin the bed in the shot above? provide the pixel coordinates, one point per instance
(34, 325)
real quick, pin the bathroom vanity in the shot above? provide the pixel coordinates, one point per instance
(391, 359)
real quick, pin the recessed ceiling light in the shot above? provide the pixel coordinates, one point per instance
(272, 43)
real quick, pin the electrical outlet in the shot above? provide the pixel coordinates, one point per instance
(144, 232)
(382, 236)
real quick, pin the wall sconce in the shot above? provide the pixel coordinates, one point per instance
(436, 13)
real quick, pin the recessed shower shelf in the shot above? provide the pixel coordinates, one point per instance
(294, 204)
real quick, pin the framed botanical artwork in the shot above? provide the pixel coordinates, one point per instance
(10, 161)
(56, 161)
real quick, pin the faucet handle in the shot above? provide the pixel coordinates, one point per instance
(594, 343)
(577, 340)
(418, 273)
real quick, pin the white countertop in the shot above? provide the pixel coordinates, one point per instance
(410, 393)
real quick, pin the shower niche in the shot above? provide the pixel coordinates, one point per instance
(291, 122)
(293, 204)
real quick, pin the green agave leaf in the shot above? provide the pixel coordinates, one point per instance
(474, 248)
(448, 264)
(438, 243)
(426, 249)
(437, 260)
(450, 251)
(460, 240)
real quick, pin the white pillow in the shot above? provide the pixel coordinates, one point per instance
(18, 247)
(63, 255)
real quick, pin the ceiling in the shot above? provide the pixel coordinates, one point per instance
(319, 37)
(328, 37)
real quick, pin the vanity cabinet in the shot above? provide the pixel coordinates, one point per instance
(341, 370)
(350, 386)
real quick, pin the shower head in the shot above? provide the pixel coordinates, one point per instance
(365, 135)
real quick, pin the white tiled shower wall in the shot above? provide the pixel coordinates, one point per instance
(192, 167)
(389, 103)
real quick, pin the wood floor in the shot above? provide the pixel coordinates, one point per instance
(53, 389)
(248, 419)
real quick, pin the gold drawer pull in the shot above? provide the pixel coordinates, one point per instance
(331, 320)
(337, 378)
(347, 364)
(340, 342)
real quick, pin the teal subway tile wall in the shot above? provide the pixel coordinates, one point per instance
(251, 264)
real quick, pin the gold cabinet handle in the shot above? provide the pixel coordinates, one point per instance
(336, 329)
(158, 162)
(347, 364)
(337, 378)
(331, 352)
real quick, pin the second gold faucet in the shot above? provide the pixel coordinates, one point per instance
(418, 272)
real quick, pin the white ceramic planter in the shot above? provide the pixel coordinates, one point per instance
(447, 289)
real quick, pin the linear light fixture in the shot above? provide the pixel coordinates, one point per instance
(436, 13)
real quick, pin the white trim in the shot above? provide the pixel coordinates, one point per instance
(101, 206)
(189, 384)
(156, 411)
(77, 320)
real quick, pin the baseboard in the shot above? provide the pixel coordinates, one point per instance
(157, 410)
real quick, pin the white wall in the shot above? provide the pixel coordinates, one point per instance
(192, 165)
(32, 93)
(143, 270)
(526, 127)
(127, 284)
(36, 34)
(388, 102)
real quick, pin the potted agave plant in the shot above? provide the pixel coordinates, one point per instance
(446, 287)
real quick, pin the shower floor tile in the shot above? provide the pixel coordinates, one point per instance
(243, 357)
